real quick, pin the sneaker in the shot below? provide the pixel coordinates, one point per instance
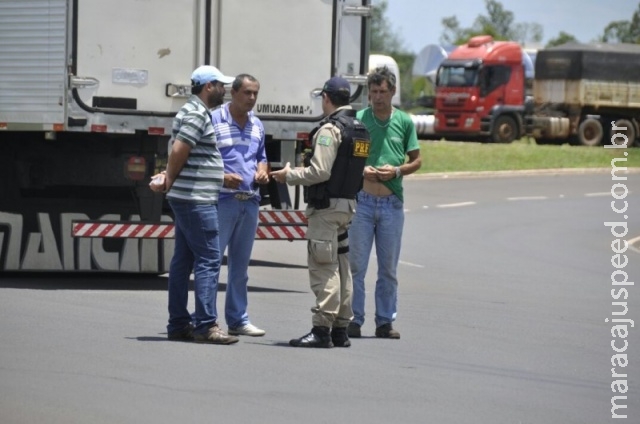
(246, 330)
(318, 337)
(353, 330)
(185, 334)
(386, 331)
(214, 335)
(339, 337)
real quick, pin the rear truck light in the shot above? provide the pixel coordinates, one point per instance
(304, 138)
(98, 128)
(155, 131)
(135, 168)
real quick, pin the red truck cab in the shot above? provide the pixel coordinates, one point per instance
(480, 91)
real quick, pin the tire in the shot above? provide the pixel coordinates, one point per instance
(630, 132)
(504, 130)
(590, 132)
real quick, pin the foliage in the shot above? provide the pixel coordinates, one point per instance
(562, 38)
(623, 31)
(385, 40)
(498, 23)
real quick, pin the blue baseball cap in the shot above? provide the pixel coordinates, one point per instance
(208, 73)
(336, 85)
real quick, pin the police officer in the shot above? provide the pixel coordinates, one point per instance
(332, 176)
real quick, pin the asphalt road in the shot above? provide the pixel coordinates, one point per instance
(505, 287)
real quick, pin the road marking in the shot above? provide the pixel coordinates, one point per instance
(528, 198)
(632, 242)
(411, 264)
(601, 194)
(455, 205)
(404, 263)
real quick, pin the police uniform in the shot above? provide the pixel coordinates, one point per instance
(333, 176)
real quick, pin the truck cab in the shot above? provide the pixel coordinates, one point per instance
(480, 91)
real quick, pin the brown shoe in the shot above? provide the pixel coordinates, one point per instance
(215, 335)
(386, 331)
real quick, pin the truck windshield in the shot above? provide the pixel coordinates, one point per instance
(457, 76)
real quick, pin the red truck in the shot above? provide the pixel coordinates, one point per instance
(471, 81)
(577, 93)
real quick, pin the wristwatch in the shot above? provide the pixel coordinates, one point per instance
(398, 173)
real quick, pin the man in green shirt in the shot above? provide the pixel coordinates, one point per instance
(380, 210)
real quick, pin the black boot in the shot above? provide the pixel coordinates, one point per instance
(339, 337)
(318, 337)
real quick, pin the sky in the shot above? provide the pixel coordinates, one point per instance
(419, 22)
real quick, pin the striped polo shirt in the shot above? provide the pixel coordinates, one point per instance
(241, 148)
(200, 180)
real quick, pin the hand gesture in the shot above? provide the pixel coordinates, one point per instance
(158, 183)
(232, 181)
(281, 175)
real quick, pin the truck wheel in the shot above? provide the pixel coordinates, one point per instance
(630, 132)
(504, 130)
(590, 132)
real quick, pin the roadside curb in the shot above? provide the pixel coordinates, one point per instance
(517, 173)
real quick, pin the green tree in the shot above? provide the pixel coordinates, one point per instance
(527, 32)
(623, 31)
(385, 40)
(562, 38)
(499, 23)
(452, 33)
(499, 20)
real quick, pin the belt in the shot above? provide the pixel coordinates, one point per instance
(244, 196)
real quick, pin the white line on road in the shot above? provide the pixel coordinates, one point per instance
(406, 263)
(601, 194)
(411, 264)
(632, 242)
(528, 198)
(455, 205)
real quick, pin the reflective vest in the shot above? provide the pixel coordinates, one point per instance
(347, 169)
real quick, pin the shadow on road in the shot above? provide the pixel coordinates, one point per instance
(245, 340)
(96, 281)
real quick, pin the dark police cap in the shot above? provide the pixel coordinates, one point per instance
(337, 85)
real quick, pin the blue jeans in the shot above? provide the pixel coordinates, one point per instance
(238, 224)
(196, 248)
(380, 219)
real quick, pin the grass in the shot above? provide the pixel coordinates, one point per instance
(444, 156)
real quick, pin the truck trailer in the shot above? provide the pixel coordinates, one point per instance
(88, 92)
(577, 93)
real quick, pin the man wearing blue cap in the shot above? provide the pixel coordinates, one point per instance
(333, 176)
(192, 181)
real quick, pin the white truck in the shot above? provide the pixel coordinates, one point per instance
(88, 91)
